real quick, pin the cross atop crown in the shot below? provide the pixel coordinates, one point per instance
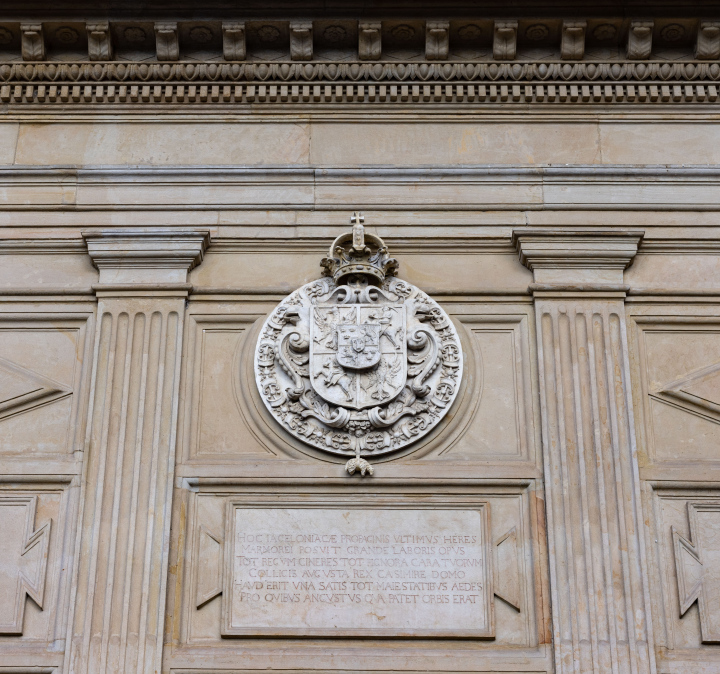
(358, 231)
(355, 255)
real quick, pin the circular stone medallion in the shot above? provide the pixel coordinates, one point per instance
(359, 363)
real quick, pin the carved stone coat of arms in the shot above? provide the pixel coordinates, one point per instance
(358, 363)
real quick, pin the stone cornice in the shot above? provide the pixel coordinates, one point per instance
(416, 58)
(183, 86)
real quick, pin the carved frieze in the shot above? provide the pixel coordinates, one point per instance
(359, 363)
(183, 84)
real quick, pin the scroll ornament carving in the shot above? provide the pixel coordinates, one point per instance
(234, 46)
(33, 42)
(358, 363)
(167, 45)
(640, 39)
(301, 41)
(573, 40)
(437, 40)
(505, 40)
(370, 41)
(99, 41)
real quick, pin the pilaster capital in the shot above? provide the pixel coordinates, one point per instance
(577, 258)
(145, 258)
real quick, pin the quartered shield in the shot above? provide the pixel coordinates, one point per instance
(358, 353)
(358, 346)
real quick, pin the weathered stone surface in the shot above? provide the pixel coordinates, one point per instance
(333, 572)
(549, 186)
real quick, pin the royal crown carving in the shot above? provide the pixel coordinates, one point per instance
(359, 363)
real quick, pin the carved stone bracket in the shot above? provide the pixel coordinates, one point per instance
(639, 44)
(99, 41)
(708, 41)
(166, 41)
(505, 40)
(234, 48)
(573, 40)
(33, 42)
(178, 39)
(437, 40)
(369, 41)
(301, 40)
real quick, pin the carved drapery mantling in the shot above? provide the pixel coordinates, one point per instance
(600, 597)
(120, 597)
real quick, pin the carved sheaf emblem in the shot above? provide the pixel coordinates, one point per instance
(358, 363)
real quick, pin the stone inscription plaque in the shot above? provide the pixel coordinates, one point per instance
(358, 571)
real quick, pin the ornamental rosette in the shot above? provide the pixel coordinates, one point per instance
(359, 363)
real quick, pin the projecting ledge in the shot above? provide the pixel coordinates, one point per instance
(577, 258)
(142, 257)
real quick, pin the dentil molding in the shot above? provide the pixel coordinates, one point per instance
(355, 61)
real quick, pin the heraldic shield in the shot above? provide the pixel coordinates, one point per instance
(358, 356)
(358, 363)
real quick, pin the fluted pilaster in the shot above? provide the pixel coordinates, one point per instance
(600, 598)
(130, 446)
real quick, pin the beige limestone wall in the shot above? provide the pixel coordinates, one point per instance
(591, 440)
(361, 141)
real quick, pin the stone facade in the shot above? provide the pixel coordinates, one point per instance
(481, 436)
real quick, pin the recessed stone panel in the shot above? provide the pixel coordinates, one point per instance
(357, 570)
(681, 388)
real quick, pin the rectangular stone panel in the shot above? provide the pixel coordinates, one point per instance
(351, 569)
(679, 383)
(41, 370)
